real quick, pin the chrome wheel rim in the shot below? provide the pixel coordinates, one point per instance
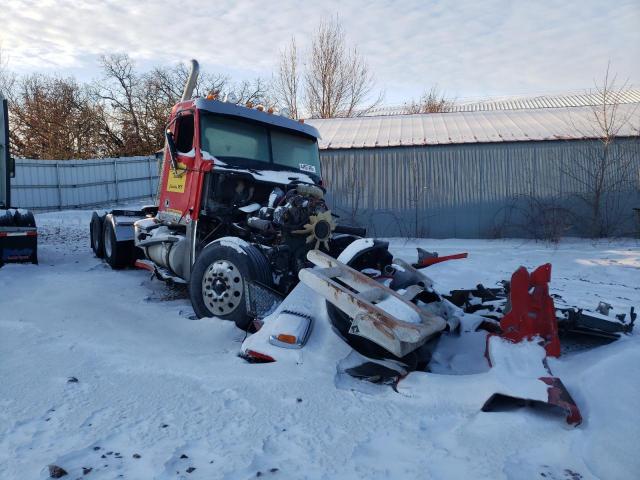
(108, 247)
(222, 286)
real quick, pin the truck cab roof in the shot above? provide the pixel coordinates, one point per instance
(226, 108)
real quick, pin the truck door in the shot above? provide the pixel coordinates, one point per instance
(176, 189)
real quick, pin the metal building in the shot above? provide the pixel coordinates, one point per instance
(502, 169)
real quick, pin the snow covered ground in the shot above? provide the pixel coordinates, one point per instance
(159, 395)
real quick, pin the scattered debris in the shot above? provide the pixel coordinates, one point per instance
(136, 455)
(191, 469)
(72, 380)
(184, 456)
(56, 472)
(86, 470)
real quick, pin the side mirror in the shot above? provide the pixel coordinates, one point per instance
(173, 151)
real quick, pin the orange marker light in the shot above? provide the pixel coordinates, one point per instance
(284, 338)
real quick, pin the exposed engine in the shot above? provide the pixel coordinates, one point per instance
(283, 221)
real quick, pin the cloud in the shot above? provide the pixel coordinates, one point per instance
(468, 48)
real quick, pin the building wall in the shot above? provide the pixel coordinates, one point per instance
(479, 190)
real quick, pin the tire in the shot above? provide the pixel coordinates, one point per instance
(24, 219)
(218, 282)
(6, 218)
(95, 231)
(117, 254)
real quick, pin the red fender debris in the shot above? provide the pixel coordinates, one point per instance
(532, 312)
(427, 262)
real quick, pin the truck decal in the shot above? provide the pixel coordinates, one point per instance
(307, 168)
(177, 180)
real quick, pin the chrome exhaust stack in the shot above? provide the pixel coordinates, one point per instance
(191, 81)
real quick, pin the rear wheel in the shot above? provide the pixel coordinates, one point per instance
(6, 218)
(95, 230)
(117, 254)
(220, 278)
(24, 218)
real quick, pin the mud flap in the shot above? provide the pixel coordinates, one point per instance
(18, 244)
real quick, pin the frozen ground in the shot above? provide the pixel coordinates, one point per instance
(155, 384)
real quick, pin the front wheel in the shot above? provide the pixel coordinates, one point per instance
(220, 278)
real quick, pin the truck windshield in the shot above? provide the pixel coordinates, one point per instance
(230, 138)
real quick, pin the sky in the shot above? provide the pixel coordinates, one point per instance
(470, 49)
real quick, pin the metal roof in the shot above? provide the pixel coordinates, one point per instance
(575, 99)
(470, 127)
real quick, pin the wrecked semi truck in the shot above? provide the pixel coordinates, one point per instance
(241, 219)
(240, 204)
(18, 232)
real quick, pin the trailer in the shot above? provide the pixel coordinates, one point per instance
(18, 232)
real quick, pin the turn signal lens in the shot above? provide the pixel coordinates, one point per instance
(284, 338)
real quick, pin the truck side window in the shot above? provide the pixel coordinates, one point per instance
(184, 126)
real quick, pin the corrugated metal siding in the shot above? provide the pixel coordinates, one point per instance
(518, 103)
(460, 190)
(54, 185)
(470, 127)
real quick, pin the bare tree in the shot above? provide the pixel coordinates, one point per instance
(417, 190)
(54, 118)
(7, 78)
(252, 92)
(286, 84)
(431, 101)
(603, 169)
(168, 83)
(337, 80)
(121, 92)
